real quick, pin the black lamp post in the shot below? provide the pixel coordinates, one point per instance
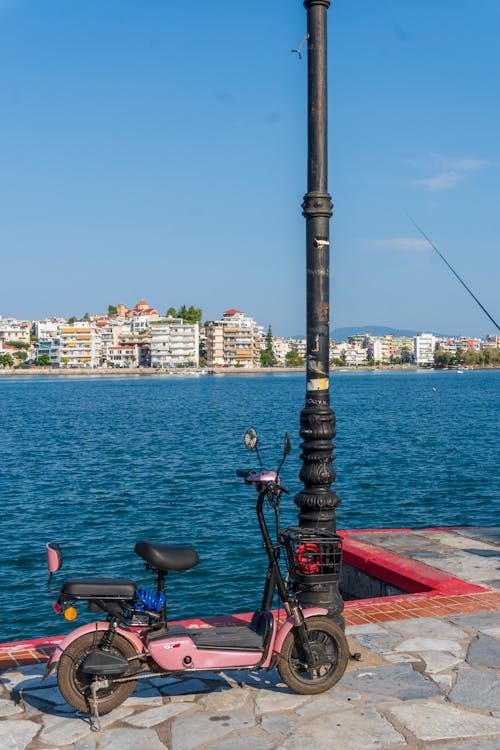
(317, 500)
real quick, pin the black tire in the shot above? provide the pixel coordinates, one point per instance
(330, 649)
(75, 684)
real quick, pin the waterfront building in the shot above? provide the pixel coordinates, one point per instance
(48, 334)
(492, 340)
(356, 355)
(141, 340)
(424, 346)
(359, 340)
(281, 347)
(51, 347)
(122, 356)
(47, 329)
(447, 345)
(12, 329)
(299, 346)
(174, 343)
(214, 343)
(234, 341)
(108, 332)
(389, 348)
(338, 350)
(468, 344)
(77, 345)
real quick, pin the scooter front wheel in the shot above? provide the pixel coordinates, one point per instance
(75, 685)
(330, 651)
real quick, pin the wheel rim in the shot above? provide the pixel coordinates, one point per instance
(325, 654)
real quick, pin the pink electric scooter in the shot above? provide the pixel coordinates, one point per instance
(98, 664)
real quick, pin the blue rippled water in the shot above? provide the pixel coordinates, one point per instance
(98, 463)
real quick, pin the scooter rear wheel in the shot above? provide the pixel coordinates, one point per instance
(330, 651)
(75, 685)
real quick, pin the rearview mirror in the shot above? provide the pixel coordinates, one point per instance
(287, 449)
(251, 439)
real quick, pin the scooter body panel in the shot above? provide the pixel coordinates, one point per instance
(91, 628)
(180, 653)
(290, 623)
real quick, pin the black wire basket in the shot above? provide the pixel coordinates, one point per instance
(313, 556)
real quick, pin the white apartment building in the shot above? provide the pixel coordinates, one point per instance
(174, 343)
(12, 329)
(388, 348)
(424, 346)
(356, 355)
(45, 330)
(122, 356)
(108, 333)
(234, 341)
(281, 347)
(447, 345)
(492, 340)
(337, 351)
(77, 345)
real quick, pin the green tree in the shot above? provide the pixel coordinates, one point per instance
(112, 310)
(491, 356)
(86, 317)
(189, 314)
(171, 312)
(6, 360)
(72, 320)
(293, 359)
(21, 355)
(43, 360)
(267, 356)
(18, 344)
(405, 355)
(443, 359)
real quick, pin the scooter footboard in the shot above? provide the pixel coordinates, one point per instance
(290, 623)
(83, 630)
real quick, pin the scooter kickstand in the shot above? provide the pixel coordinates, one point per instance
(95, 721)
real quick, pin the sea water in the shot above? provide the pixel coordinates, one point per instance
(98, 463)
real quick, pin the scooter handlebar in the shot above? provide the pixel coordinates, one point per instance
(244, 473)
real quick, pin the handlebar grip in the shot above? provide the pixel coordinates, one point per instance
(244, 473)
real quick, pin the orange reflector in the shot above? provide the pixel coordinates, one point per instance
(70, 613)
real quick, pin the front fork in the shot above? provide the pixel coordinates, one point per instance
(303, 641)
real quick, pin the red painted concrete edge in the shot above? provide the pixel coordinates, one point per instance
(406, 574)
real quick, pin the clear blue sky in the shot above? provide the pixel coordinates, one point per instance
(157, 150)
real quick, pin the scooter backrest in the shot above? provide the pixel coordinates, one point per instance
(54, 557)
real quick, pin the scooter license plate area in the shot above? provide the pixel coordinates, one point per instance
(181, 654)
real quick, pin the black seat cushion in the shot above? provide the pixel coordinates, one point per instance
(167, 557)
(99, 588)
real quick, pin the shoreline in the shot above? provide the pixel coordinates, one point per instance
(197, 371)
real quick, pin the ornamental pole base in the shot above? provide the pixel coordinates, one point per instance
(317, 501)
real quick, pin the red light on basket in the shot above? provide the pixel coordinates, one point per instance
(307, 557)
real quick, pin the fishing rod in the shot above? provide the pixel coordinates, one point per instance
(453, 271)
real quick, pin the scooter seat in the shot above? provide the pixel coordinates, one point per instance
(99, 588)
(167, 557)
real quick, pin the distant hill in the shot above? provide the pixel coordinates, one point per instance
(340, 334)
